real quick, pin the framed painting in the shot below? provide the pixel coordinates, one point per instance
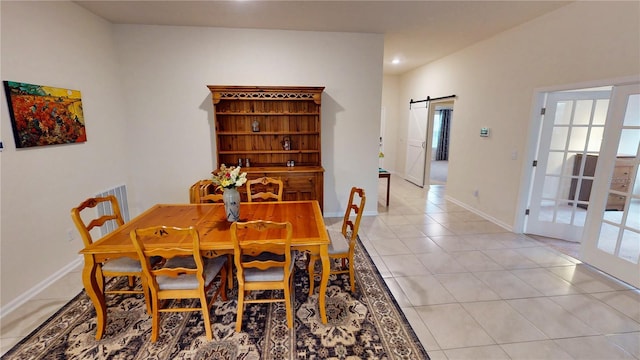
(44, 115)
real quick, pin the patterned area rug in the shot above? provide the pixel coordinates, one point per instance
(365, 325)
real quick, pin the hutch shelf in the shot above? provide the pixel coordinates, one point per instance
(277, 129)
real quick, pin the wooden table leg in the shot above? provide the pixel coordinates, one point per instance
(93, 287)
(322, 292)
(387, 176)
(388, 187)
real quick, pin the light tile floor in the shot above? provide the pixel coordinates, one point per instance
(470, 289)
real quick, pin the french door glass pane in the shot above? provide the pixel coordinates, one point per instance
(632, 115)
(578, 138)
(633, 219)
(563, 113)
(595, 139)
(630, 246)
(583, 112)
(613, 216)
(550, 189)
(554, 163)
(600, 113)
(608, 238)
(629, 140)
(559, 138)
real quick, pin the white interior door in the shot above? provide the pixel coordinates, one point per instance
(416, 143)
(612, 234)
(572, 131)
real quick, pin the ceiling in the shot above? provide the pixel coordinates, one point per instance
(415, 32)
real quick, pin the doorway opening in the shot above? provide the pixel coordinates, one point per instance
(439, 161)
(425, 146)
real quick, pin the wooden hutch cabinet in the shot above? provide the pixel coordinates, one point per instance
(277, 129)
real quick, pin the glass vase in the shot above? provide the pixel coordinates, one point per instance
(231, 199)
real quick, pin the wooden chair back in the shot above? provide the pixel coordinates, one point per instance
(355, 208)
(211, 194)
(204, 191)
(263, 260)
(85, 227)
(264, 189)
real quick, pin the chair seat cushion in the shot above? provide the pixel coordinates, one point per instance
(189, 281)
(339, 245)
(123, 264)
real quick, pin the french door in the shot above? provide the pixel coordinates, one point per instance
(612, 237)
(571, 133)
(416, 143)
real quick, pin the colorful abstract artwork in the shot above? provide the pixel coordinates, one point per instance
(44, 115)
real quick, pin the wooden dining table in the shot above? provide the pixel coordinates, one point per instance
(309, 234)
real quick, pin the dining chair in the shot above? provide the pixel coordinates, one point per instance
(194, 192)
(118, 267)
(343, 242)
(264, 189)
(211, 194)
(185, 274)
(204, 191)
(263, 259)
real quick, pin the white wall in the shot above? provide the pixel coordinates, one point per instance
(495, 80)
(56, 44)
(170, 111)
(148, 115)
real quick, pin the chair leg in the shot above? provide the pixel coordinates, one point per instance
(289, 299)
(288, 307)
(240, 310)
(146, 293)
(222, 289)
(352, 279)
(155, 320)
(132, 281)
(229, 267)
(101, 279)
(205, 316)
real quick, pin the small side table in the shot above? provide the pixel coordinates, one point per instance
(382, 173)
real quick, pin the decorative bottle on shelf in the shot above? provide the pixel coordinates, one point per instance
(231, 199)
(286, 143)
(255, 126)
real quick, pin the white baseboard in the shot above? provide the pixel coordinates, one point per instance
(41, 286)
(480, 213)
